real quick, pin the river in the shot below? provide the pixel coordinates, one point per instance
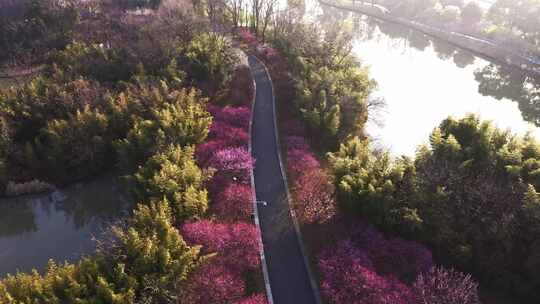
(425, 80)
(60, 225)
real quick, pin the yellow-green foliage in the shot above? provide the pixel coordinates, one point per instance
(174, 174)
(67, 146)
(27, 109)
(211, 58)
(147, 263)
(373, 186)
(181, 119)
(332, 88)
(471, 194)
(95, 61)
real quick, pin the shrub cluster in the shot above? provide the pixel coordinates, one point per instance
(471, 195)
(236, 243)
(350, 276)
(31, 28)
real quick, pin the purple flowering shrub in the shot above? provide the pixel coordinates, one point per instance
(236, 244)
(441, 286)
(314, 197)
(231, 165)
(233, 136)
(254, 299)
(300, 161)
(403, 259)
(348, 277)
(294, 142)
(234, 203)
(214, 283)
(205, 151)
(238, 117)
(247, 37)
(397, 257)
(292, 127)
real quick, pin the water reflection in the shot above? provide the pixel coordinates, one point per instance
(423, 80)
(59, 225)
(506, 82)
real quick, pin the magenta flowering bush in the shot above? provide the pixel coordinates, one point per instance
(205, 151)
(403, 259)
(441, 286)
(300, 161)
(348, 277)
(231, 165)
(214, 283)
(236, 244)
(270, 54)
(254, 299)
(294, 142)
(234, 203)
(395, 256)
(314, 197)
(292, 127)
(247, 37)
(233, 136)
(238, 117)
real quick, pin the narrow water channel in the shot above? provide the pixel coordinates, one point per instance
(60, 225)
(425, 80)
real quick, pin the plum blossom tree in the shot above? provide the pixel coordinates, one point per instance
(238, 117)
(314, 197)
(348, 277)
(205, 151)
(231, 165)
(294, 142)
(394, 256)
(215, 283)
(254, 299)
(403, 259)
(441, 286)
(247, 37)
(300, 161)
(232, 135)
(234, 203)
(237, 245)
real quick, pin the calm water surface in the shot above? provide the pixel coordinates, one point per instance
(59, 225)
(424, 81)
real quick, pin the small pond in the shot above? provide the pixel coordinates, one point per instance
(60, 225)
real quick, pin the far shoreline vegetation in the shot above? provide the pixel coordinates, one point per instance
(164, 97)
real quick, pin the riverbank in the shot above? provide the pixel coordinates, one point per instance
(483, 48)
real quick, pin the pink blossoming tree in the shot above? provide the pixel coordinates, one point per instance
(314, 197)
(234, 203)
(214, 283)
(441, 286)
(237, 245)
(348, 277)
(254, 299)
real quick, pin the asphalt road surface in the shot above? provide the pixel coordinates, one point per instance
(288, 273)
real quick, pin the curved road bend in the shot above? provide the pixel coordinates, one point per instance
(287, 271)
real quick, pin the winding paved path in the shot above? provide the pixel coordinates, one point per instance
(288, 273)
